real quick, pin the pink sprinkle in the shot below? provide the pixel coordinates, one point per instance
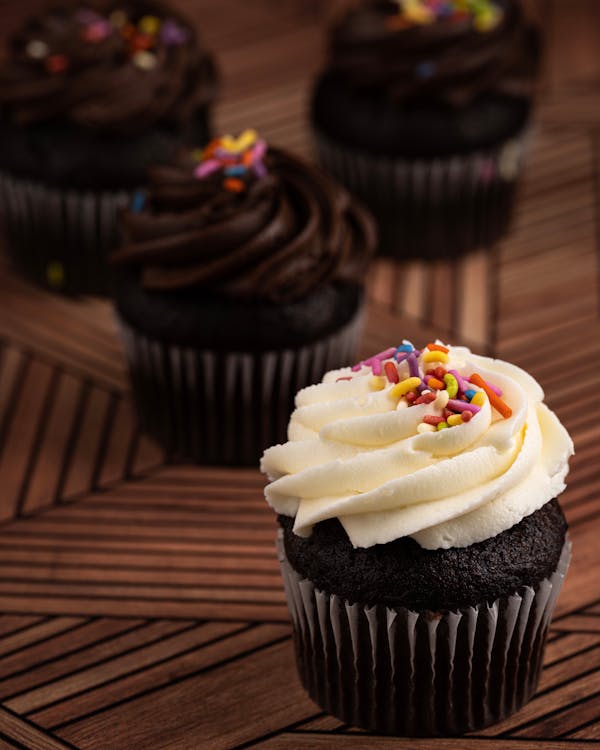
(206, 168)
(259, 149)
(376, 367)
(337, 380)
(461, 406)
(386, 354)
(462, 383)
(492, 387)
(356, 368)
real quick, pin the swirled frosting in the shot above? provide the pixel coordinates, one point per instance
(407, 51)
(273, 233)
(114, 65)
(378, 461)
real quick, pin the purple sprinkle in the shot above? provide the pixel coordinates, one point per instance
(457, 405)
(462, 383)
(171, 33)
(413, 367)
(259, 169)
(401, 356)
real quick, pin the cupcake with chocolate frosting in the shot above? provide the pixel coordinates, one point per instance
(240, 279)
(91, 94)
(421, 110)
(421, 543)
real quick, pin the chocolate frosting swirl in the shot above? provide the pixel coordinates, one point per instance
(447, 60)
(58, 70)
(287, 232)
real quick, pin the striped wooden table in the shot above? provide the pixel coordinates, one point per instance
(141, 605)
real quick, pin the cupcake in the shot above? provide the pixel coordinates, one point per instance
(421, 543)
(92, 94)
(422, 111)
(240, 280)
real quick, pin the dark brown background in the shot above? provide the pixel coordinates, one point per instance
(141, 605)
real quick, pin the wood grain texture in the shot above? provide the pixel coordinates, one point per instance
(140, 602)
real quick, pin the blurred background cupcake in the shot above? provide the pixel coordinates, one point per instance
(240, 280)
(91, 94)
(422, 110)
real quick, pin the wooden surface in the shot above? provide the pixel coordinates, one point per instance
(141, 605)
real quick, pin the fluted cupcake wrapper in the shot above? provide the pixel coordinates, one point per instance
(60, 238)
(396, 671)
(432, 208)
(226, 407)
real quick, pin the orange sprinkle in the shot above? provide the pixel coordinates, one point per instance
(234, 185)
(499, 405)
(438, 348)
(438, 385)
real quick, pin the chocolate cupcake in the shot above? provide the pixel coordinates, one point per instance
(422, 111)
(91, 95)
(240, 281)
(422, 546)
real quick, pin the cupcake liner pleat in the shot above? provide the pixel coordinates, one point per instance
(226, 408)
(400, 672)
(60, 238)
(432, 208)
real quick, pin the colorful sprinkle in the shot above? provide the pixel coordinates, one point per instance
(144, 60)
(442, 426)
(499, 405)
(438, 348)
(435, 356)
(57, 63)
(431, 419)
(37, 49)
(479, 399)
(451, 385)
(238, 159)
(138, 202)
(404, 386)
(454, 420)
(55, 274)
(149, 25)
(461, 406)
(485, 15)
(391, 372)
(172, 34)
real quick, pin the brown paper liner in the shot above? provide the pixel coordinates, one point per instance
(432, 208)
(406, 673)
(60, 238)
(226, 407)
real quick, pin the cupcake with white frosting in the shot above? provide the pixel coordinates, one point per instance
(422, 545)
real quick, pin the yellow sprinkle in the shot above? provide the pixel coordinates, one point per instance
(404, 386)
(149, 25)
(244, 141)
(442, 426)
(435, 357)
(487, 20)
(479, 398)
(416, 12)
(376, 383)
(454, 420)
(55, 273)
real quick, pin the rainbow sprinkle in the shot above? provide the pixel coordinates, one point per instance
(238, 160)
(141, 38)
(456, 399)
(485, 15)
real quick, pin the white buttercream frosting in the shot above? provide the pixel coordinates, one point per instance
(357, 452)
